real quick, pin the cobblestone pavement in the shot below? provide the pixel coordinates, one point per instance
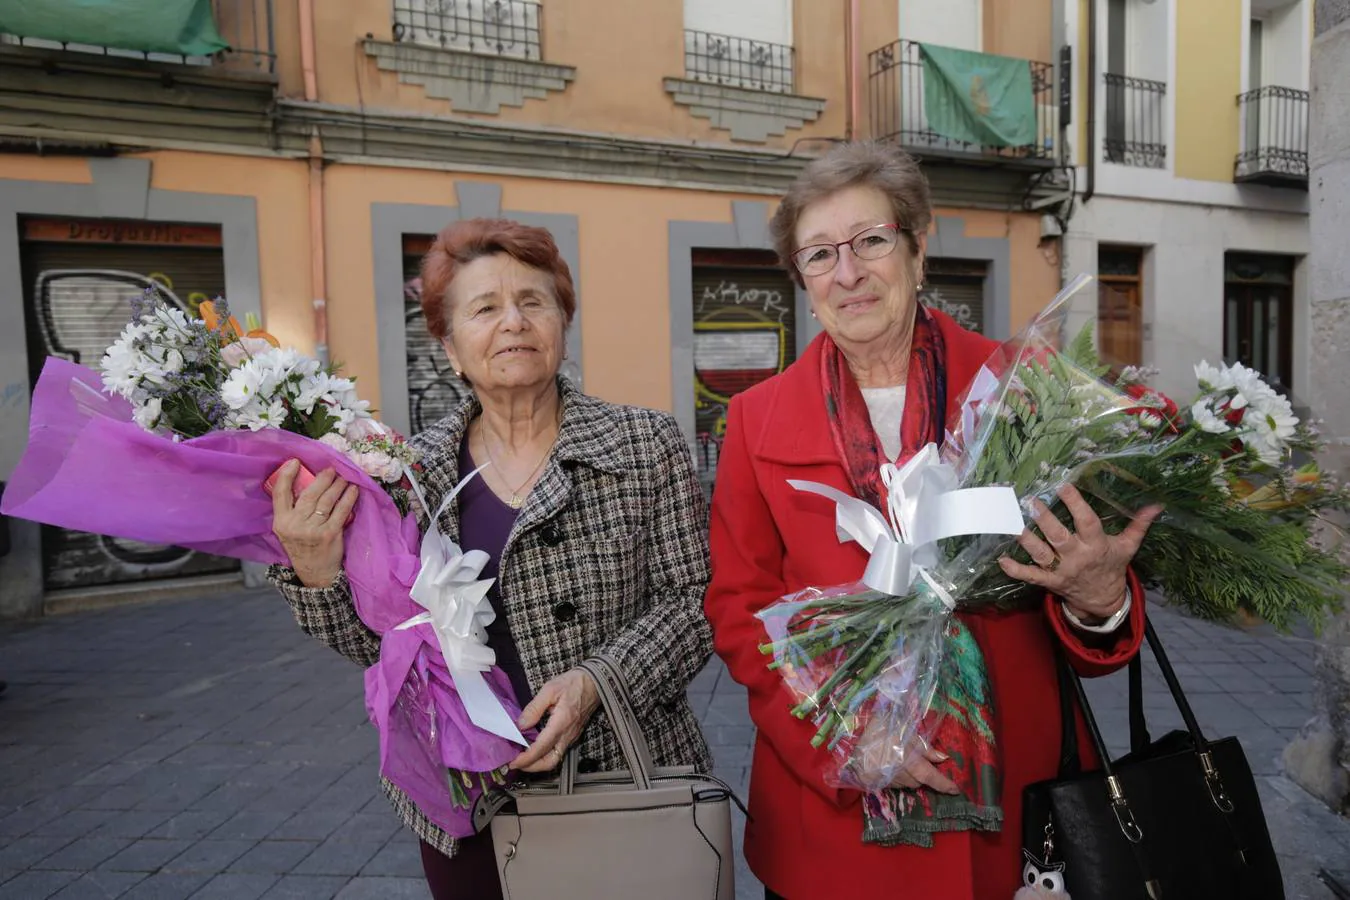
(207, 749)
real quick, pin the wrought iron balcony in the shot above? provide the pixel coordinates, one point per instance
(493, 27)
(1274, 137)
(244, 26)
(738, 62)
(1135, 135)
(897, 97)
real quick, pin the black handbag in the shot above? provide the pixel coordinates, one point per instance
(1178, 818)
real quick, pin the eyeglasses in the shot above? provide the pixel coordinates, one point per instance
(870, 243)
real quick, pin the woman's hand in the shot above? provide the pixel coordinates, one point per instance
(310, 526)
(570, 700)
(920, 770)
(1085, 567)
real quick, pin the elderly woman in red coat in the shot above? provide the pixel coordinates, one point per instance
(876, 387)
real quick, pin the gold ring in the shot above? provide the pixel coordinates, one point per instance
(558, 750)
(321, 514)
(1052, 565)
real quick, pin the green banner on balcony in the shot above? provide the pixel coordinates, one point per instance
(183, 27)
(978, 98)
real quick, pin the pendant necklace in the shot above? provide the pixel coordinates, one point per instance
(516, 500)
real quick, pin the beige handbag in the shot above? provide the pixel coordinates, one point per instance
(650, 833)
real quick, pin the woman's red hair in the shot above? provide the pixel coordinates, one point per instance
(460, 243)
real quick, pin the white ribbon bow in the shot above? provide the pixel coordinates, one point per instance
(459, 611)
(925, 506)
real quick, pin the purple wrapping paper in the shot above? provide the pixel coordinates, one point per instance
(89, 467)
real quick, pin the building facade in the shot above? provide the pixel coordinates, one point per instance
(1191, 176)
(297, 157)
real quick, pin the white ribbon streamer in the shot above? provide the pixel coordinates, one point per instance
(459, 611)
(925, 506)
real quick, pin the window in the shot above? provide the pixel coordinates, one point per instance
(1136, 95)
(1258, 314)
(747, 44)
(1120, 307)
(493, 27)
(956, 286)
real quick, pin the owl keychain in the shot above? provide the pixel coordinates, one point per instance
(1041, 878)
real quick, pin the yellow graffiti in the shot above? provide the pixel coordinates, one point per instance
(737, 319)
(161, 278)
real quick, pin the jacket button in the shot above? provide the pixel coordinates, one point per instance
(587, 766)
(565, 611)
(551, 534)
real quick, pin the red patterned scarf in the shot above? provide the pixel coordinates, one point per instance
(963, 706)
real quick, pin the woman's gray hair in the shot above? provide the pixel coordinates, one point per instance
(883, 166)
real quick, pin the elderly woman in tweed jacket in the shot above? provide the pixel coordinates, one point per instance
(590, 512)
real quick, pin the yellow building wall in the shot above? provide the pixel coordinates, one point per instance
(1209, 78)
(622, 53)
(1084, 84)
(1019, 28)
(623, 275)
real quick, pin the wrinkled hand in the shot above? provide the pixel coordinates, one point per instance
(1084, 567)
(920, 770)
(310, 526)
(570, 700)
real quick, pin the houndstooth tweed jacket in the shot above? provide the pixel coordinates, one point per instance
(609, 555)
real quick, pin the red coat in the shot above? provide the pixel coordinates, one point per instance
(804, 840)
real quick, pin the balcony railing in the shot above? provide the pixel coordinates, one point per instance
(493, 27)
(1135, 135)
(245, 25)
(1274, 137)
(896, 88)
(738, 62)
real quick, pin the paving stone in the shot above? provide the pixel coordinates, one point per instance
(208, 856)
(146, 855)
(232, 886)
(76, 823)
(305, 887)
(35, 885)
(166, 886)
(83, 854)
(400, 857)
(99, 886)
(337, 857)
(253, 824)
(134, 824)
(191, 825)
(273, 856)
(363, 888)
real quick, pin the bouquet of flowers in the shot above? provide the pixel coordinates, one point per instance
(881, 666)
(178, 441)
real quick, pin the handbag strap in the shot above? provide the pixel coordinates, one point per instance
(618, 706)
(1138, 726)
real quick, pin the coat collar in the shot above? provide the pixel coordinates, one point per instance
(588, 435)
(796, 427)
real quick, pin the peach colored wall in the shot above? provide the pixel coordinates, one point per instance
(879, 27)
(286, 38)
(623, 278)
(1035, 276)
(280, 190)
(45, 168)
(1018, 28)
(622, 53)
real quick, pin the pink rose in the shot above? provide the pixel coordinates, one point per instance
(245, 348)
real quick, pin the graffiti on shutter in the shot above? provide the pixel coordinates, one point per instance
(77, 304)
(957, 288)
(744, 332)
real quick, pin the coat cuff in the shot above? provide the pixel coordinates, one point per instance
(1100, 654)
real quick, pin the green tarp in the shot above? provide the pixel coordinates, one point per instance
(978, 98)
(152, 26)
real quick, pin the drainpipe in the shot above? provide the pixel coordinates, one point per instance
(318, 269)
(851, 26)
(1091, 186)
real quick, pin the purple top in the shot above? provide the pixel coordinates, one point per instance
(485, 522)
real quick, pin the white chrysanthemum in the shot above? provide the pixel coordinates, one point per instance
(1212, 378)
(312, 390)
(1207, 420)
(148, 414)
(243, 386)
(1150, 420)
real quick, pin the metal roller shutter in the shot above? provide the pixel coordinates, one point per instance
(745, 330)
(957, 288)
(434, 390)
(77, 289)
